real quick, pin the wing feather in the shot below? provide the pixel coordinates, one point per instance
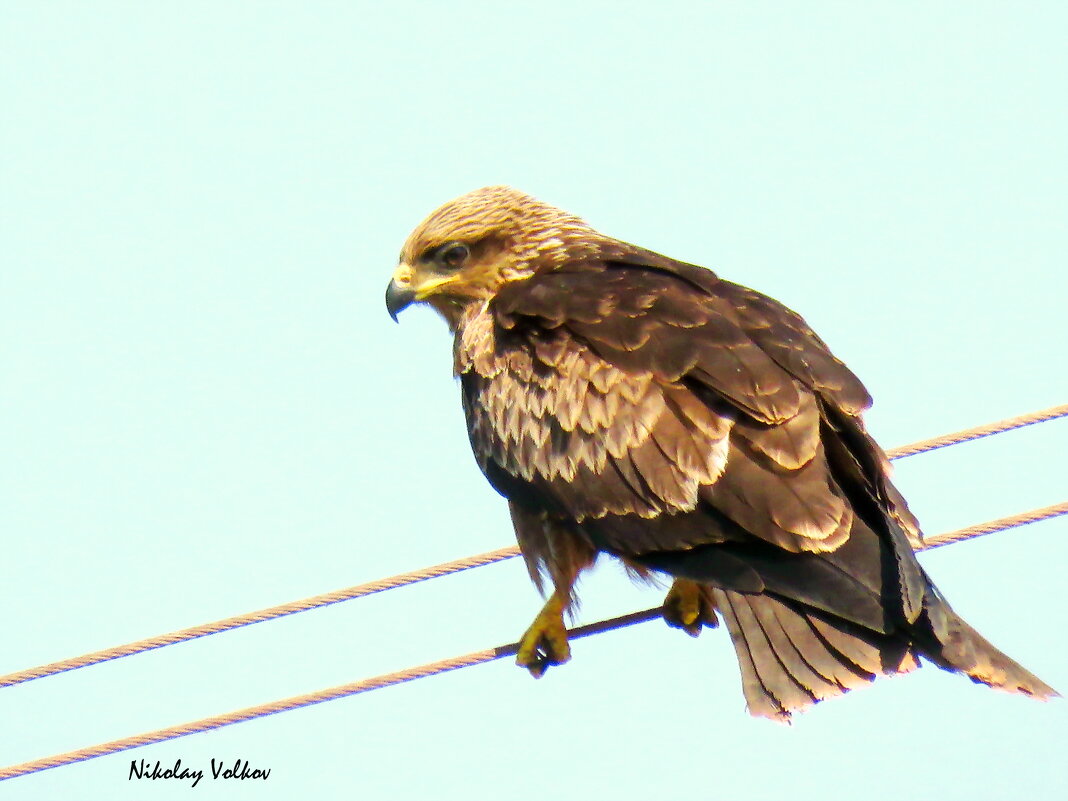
(618, 389)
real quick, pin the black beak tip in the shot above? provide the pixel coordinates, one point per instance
(398, 298)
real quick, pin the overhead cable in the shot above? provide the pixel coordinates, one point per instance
(435, 571)
(969, 434)
(434, 668)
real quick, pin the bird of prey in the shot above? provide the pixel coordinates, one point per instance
(627, 403)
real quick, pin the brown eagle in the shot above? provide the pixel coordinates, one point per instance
(627, 403)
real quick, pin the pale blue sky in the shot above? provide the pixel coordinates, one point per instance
(206, 409)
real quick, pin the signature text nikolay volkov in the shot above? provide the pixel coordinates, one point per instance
(240, 770)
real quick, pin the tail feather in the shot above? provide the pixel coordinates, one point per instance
(792, 656)
(789, 654)
(758, 698)
(961, 648)
(841, 675)
(780, 684)
(874, 654)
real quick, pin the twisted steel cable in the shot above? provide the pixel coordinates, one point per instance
(441, 666)
(434, 571)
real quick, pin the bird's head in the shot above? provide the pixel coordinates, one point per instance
(463, 252)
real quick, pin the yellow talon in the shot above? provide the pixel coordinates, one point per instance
(689, 606)
(545, 642)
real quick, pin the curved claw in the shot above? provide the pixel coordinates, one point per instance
(545, 642)
(689, 606)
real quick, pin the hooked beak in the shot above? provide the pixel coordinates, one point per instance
(398, 298)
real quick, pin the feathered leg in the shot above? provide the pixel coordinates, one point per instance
(549, 546)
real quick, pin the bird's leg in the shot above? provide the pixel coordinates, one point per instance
(545, 642)
(689, 606)
(557, 547)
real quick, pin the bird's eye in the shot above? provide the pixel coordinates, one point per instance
(453, 255)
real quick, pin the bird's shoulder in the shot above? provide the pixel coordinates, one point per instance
(640, 311)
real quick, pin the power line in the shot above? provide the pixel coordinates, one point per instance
(434, 668)
(259, 616)
(434, 571)
(993, 526)
(969, 434)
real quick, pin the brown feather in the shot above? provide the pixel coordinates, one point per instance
(629, 403)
